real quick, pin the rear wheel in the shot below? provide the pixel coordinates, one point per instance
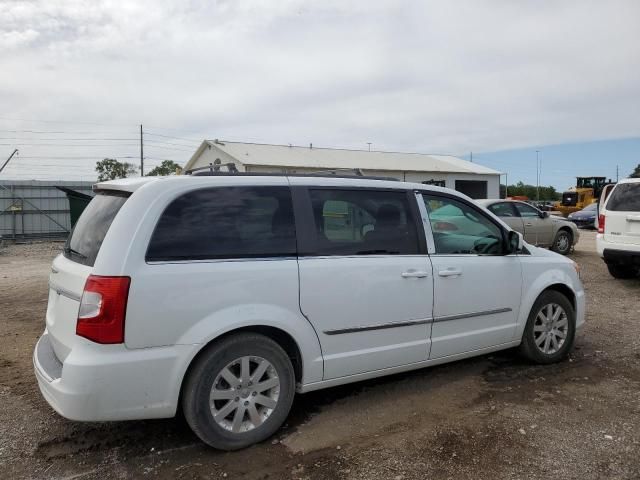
(239, 392)
(550, 331)
(563, 242)
(623, 271)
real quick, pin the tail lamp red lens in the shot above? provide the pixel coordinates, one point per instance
(601, 219)
(103, 308)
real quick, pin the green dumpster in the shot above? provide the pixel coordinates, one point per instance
(78, 201)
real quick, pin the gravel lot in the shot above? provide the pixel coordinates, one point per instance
(489, 417)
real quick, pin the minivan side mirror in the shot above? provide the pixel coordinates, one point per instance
(515, 243)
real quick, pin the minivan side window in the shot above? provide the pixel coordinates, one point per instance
(226, 222)
(362, 222)
(625, 197)
(459, 228)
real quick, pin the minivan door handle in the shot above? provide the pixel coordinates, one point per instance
(415, 274)
(450, 272)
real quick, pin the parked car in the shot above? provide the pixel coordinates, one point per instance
(618, 238)
(585, 218)
(539, 228)
(224, 295)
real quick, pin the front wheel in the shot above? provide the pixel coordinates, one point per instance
(550, 331)
(239, 391)
(563, 242)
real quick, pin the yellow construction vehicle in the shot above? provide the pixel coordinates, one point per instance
(586, 192)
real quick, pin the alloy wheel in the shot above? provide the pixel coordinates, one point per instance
(562, 242)
(550, 328)
(244, 394)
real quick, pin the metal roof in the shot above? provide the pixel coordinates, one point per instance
(335, 158)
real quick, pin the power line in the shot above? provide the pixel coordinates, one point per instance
(170, 143)
(176, 138)
(70, 139)
(67, 145)
(57, 121)
(63, 157)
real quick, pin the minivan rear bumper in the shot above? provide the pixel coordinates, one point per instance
(111, 382)
(621, 257)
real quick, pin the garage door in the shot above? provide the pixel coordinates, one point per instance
(473, 188)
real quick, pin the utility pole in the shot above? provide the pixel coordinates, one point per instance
(617, 173)
(141, 154)
(537, 177)
(7, 160)
(471, 157)
(506, 185)
(369, 143)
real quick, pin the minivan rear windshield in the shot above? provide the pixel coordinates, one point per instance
(625, 198)
(87, 236)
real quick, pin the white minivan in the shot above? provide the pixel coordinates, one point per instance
(618, 239)
(225, 294)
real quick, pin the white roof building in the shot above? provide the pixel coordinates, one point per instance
(444, 170)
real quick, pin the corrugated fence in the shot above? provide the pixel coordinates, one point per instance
(36, 209)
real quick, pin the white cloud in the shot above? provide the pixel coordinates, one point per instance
(426, 76)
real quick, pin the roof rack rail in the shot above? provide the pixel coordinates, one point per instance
(213, 169)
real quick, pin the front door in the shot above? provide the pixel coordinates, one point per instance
(508, 214)
(366, 283)
(477, 289)
(537, 230)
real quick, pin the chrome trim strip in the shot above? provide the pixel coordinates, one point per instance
(64, 292)
(381, 326)
(218, 260)
(459, 316)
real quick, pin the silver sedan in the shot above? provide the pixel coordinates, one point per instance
(538, 228)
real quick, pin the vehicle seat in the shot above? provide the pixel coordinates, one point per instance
(389, 231)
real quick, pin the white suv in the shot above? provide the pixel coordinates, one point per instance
(618, 239)
(223, 295)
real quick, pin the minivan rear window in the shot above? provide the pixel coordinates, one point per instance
(625, 198)
(87, 236)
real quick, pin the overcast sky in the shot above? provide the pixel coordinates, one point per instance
(425, 76)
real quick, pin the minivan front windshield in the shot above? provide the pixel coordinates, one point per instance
(87, 236)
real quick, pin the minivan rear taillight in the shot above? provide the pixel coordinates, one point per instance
(601, 219)
(103, 308)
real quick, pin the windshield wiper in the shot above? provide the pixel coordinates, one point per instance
(68, 250)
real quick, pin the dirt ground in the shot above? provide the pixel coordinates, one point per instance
(493, 417)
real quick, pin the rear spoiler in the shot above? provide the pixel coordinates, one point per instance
(124, 184)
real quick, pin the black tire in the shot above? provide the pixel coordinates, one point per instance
(528, 347)
(560, 246)
(200, 381)
(623, 271)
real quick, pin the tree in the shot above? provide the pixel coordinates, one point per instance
(167, 167)
(530, 191)
(636, 172)
(110, 169)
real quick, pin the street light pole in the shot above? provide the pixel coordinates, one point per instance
(537, 177)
